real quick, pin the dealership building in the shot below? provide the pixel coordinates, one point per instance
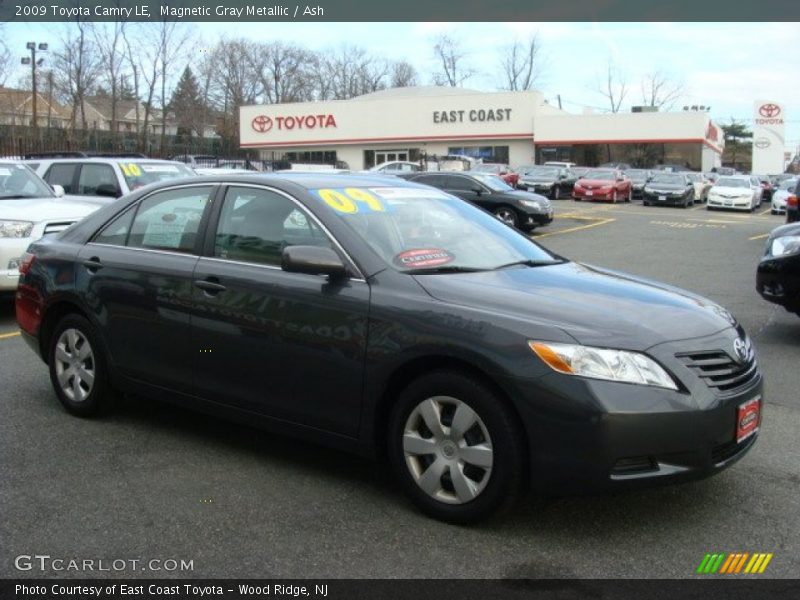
(516, 128)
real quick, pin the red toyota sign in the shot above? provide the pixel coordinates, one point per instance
(769, 110)
(263, 123)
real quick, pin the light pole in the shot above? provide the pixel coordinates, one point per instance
(34, 63)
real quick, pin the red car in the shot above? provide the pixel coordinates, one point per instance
(603, 184)
(504, 172)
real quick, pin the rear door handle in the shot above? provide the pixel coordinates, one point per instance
(209, 287)
(93, 264)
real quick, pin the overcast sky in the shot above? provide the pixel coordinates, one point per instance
(725, 65)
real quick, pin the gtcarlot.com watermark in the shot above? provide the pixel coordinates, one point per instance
(45, 563)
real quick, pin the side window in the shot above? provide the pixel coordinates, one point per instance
(170, 220)
(455, 182)
(98, 180)
(116, 232)
(63, 175)
(437, 181)
(257, 224)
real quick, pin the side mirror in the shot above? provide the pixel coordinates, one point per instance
(58, 190)
(477, 190)
(313, 260)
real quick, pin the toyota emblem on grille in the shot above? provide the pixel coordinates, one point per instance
(740, 349)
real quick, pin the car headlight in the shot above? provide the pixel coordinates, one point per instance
(603, 363)
(15, 229)
(531, 204)
(787, 244)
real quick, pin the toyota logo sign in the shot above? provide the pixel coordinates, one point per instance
(769, 111)
(762, 142)
(261, 124)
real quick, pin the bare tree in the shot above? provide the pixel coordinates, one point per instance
(283, 74)
(453, 70)
(348, 72)
(109, 40)
(133, 65)
(520, 64)
(660, 90)
(174, 41)
(77, 66)
(234, 81)
(403, 75)
(5, 62)
(614, 88)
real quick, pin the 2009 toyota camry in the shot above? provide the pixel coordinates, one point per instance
(387, 317)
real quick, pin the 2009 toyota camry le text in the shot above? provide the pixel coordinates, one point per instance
(391, 319)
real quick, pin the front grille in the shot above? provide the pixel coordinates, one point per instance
(719, 370)
(52, 228)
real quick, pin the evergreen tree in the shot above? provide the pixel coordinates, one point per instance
(186, 104)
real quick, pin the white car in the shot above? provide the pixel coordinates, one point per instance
(701, 186)
(395, 166)
(29, 210)
(785, 189)
(736, 192)
(104, 179)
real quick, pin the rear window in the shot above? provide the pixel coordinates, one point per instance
(139, 173)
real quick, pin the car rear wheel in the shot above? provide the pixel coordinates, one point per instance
(555, 193)
(77, 367)
(455, 447)
(507, 215)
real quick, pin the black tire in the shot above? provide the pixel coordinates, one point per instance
(646, 202)
(506, 476)
(97, 393)
(555, 193)
(508, 215)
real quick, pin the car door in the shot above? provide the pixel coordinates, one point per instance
(288, 345)
(467, 189)
(137, 277)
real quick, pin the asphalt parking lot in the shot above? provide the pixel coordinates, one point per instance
(154, 482)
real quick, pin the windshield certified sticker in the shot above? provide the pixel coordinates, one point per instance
(423, 258)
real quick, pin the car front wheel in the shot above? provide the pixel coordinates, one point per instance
(507, 215)
(77, 367)
(455, 447)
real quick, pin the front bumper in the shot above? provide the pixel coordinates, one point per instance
(11, 250)
(666, 199)
(732, 203)
(590, 435)
(592, 194)
(778, 281)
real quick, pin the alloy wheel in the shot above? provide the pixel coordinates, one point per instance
(448, 450)
(507, 216)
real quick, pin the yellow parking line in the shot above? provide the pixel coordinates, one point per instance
(571, 229)
(759, 237)
(4, 336)
(764, 212)
(701, 207)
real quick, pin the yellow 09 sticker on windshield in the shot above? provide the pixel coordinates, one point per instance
(351, 200)
(130, 169)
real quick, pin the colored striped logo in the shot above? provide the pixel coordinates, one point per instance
(734, 563)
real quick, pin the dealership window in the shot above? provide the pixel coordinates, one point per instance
(326, 157)
(494, 154)
(376, 157)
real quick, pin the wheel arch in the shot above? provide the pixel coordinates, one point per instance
(52, 316)
(420, 365)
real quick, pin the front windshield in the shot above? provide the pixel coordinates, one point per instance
(694, 177)
(493, 182)
(601, 175)
(668, 179)
(139, 173)
(417, 229)
(788, 184)
(733, 183)
(18, 181)
(549, 172)
(484, 168)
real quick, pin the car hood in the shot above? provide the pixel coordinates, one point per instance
(676, 187)
(537, 179)
(594, 306)
(44, 209)
(596, 182)
(738, 191)
(512, 195)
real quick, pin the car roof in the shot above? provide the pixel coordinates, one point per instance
(308, 181)
(100, 159)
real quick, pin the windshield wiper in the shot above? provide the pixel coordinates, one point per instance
(443, 269)
(529, 263)
(16, 197)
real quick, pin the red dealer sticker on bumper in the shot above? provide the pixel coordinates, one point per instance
(748, 418)
(423, 257)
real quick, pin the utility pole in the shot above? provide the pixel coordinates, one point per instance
(34, 63)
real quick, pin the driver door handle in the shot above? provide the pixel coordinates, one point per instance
(209, 287)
